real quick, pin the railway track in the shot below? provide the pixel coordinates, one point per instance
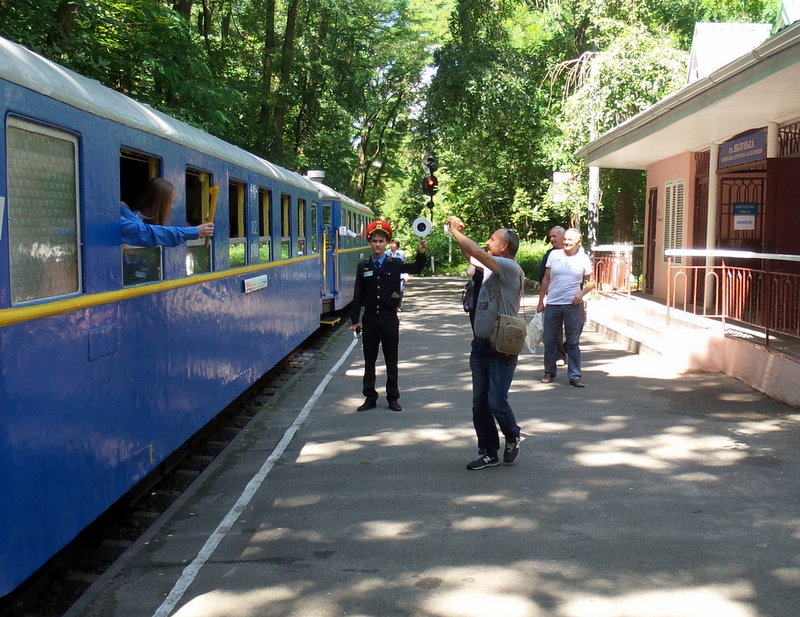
(56, 588)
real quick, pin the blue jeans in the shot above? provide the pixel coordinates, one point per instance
(492, 374)
(572, 318)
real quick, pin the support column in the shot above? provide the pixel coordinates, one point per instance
(773, 141)
(711, 222)
(594, 205)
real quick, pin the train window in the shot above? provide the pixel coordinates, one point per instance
(236, 208)
(314, 228)
(199, 206)
(139, 264)
(43, 214)
(286, 229)
(300, 247)
(264, 225)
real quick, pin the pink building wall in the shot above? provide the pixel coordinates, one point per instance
(677, 168)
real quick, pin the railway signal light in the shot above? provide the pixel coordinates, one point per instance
(429, 185)
(429, 163)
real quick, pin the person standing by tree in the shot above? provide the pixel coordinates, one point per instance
(563, 287)
(492, 371)
(377, 290)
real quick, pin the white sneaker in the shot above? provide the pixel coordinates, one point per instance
(560, 362)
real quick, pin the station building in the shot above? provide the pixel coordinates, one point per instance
(722, 154)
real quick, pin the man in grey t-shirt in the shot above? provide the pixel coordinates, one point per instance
(492, 372)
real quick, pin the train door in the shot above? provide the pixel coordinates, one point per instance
(328, 251)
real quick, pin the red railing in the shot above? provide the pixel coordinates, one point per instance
(764, 299)
(614, 268)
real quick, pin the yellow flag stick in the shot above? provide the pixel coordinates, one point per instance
(213, 193)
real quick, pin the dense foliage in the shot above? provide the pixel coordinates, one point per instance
(504, 91)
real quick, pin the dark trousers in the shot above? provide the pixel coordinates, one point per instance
(382, 330)
(492, 374)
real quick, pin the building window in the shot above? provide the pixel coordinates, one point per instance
(43, 221)
(674, 193)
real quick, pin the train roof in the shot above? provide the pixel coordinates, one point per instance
(30, 70)
(326, 192)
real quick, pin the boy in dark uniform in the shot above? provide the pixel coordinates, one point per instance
(377, 291)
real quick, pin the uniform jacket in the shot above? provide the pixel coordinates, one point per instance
(381, 290)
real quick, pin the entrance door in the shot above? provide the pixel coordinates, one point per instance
(650, 238)
(735, 191)
(782, 219)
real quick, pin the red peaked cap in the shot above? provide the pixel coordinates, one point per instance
(380, 226)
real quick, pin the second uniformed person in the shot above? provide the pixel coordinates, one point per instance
(377, 291)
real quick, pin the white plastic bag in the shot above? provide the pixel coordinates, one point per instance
(534, 332)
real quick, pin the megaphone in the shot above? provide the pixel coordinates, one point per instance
(421, 227)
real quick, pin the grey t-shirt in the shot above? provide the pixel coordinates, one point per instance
(509, 277)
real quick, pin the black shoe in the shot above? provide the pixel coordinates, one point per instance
(548, 378)
(578, 383)
(484, 460)
(394, 405)
(368, 404)
(511, 451)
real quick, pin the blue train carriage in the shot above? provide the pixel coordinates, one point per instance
(343, 225)
(106, 368)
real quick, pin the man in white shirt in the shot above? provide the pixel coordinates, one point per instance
(566, 270)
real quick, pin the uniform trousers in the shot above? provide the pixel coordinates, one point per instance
(380, 329)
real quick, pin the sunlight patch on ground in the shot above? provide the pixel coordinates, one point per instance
(788, 576)
(480, 523)
(239, 603)
(636, 366)
(386, 530)
(718, 601)
(472, 603)
(660, 451)
(315, 452)
(757, 428)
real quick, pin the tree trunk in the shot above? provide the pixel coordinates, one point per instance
(287, 58)
(267, 62)
(624, 207)
(183, 7)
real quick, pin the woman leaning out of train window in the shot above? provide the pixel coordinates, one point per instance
(144, 225)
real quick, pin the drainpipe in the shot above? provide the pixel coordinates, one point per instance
(711, 223)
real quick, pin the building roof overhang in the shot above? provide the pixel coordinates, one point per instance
(756, 89)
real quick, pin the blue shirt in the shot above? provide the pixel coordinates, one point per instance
(138, 233)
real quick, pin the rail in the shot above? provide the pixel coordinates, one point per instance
(615, 266)
(765, 298)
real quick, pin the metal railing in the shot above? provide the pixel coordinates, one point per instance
(615, 266)
(765, 299)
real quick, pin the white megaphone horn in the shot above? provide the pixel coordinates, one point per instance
(422, 227)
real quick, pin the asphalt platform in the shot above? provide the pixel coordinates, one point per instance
(644, 494)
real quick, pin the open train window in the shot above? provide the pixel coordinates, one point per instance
(314, 228)
(43, 213)
(236, 216)
(286, 228)
(264, 225)
(139, 264)
(200, 206)
(300, 246)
